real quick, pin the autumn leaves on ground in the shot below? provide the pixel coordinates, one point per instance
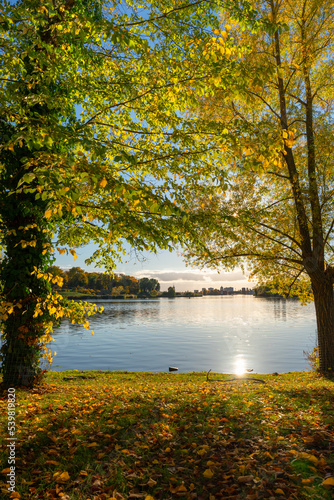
(123, 435)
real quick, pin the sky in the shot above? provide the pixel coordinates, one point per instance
(167, 267)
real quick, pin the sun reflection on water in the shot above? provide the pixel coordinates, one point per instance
(240, 366)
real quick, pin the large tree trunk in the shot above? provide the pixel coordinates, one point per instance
(322, 287)
(27, 241)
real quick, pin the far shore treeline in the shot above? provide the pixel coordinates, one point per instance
(77, 283)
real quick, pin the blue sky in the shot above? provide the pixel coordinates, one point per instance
(168, 267)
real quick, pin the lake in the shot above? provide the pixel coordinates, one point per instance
(223, 333)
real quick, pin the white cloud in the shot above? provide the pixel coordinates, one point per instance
(191, 275)
(195, 279)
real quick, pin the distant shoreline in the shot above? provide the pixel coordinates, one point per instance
(122, 297)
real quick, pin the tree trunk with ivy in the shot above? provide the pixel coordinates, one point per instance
(26, 240)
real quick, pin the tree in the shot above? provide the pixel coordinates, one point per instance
(149, 284)
(273, 210)
(94, 147)
(171, 292)
(76, 277)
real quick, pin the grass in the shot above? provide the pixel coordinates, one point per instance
(128, 435)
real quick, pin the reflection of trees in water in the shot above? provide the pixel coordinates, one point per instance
(280, 309)
(116, 313)
(120, 312)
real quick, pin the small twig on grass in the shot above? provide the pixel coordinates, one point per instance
(235, 379)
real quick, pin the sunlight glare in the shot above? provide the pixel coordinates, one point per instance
(240, 366)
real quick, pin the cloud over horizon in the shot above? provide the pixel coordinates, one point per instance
(169, 275)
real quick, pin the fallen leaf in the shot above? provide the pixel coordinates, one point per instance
(327, 483)
(307, 481)
(208, 473)
(245, 479)
(61, 477)
(308, 456)
(182, 488)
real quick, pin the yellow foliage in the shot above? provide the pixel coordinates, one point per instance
(73, 252)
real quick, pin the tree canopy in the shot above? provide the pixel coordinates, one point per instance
(273, 211)
(95, 146)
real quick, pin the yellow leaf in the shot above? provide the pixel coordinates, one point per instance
(307, 456)
(307, 481)
(279, 491)
(11, 147)
(151, 482)
(216, 32)
(61, 477)
(182, 488)
(5, 471)
(91, 445)
(15, 494)
(285, 134)
(149, 497)
(103, 183)
(328, 482)
(73, 252)
(208, 473)
(48, 214)
(93, 333)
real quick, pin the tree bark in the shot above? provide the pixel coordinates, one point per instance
(322, 287)
(27, 241)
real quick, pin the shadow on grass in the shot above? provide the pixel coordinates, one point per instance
(132, 435)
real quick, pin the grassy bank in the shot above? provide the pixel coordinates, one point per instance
(123, 435)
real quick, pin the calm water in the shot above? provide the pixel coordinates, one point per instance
(223, 334)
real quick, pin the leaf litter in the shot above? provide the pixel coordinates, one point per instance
(127, 435)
